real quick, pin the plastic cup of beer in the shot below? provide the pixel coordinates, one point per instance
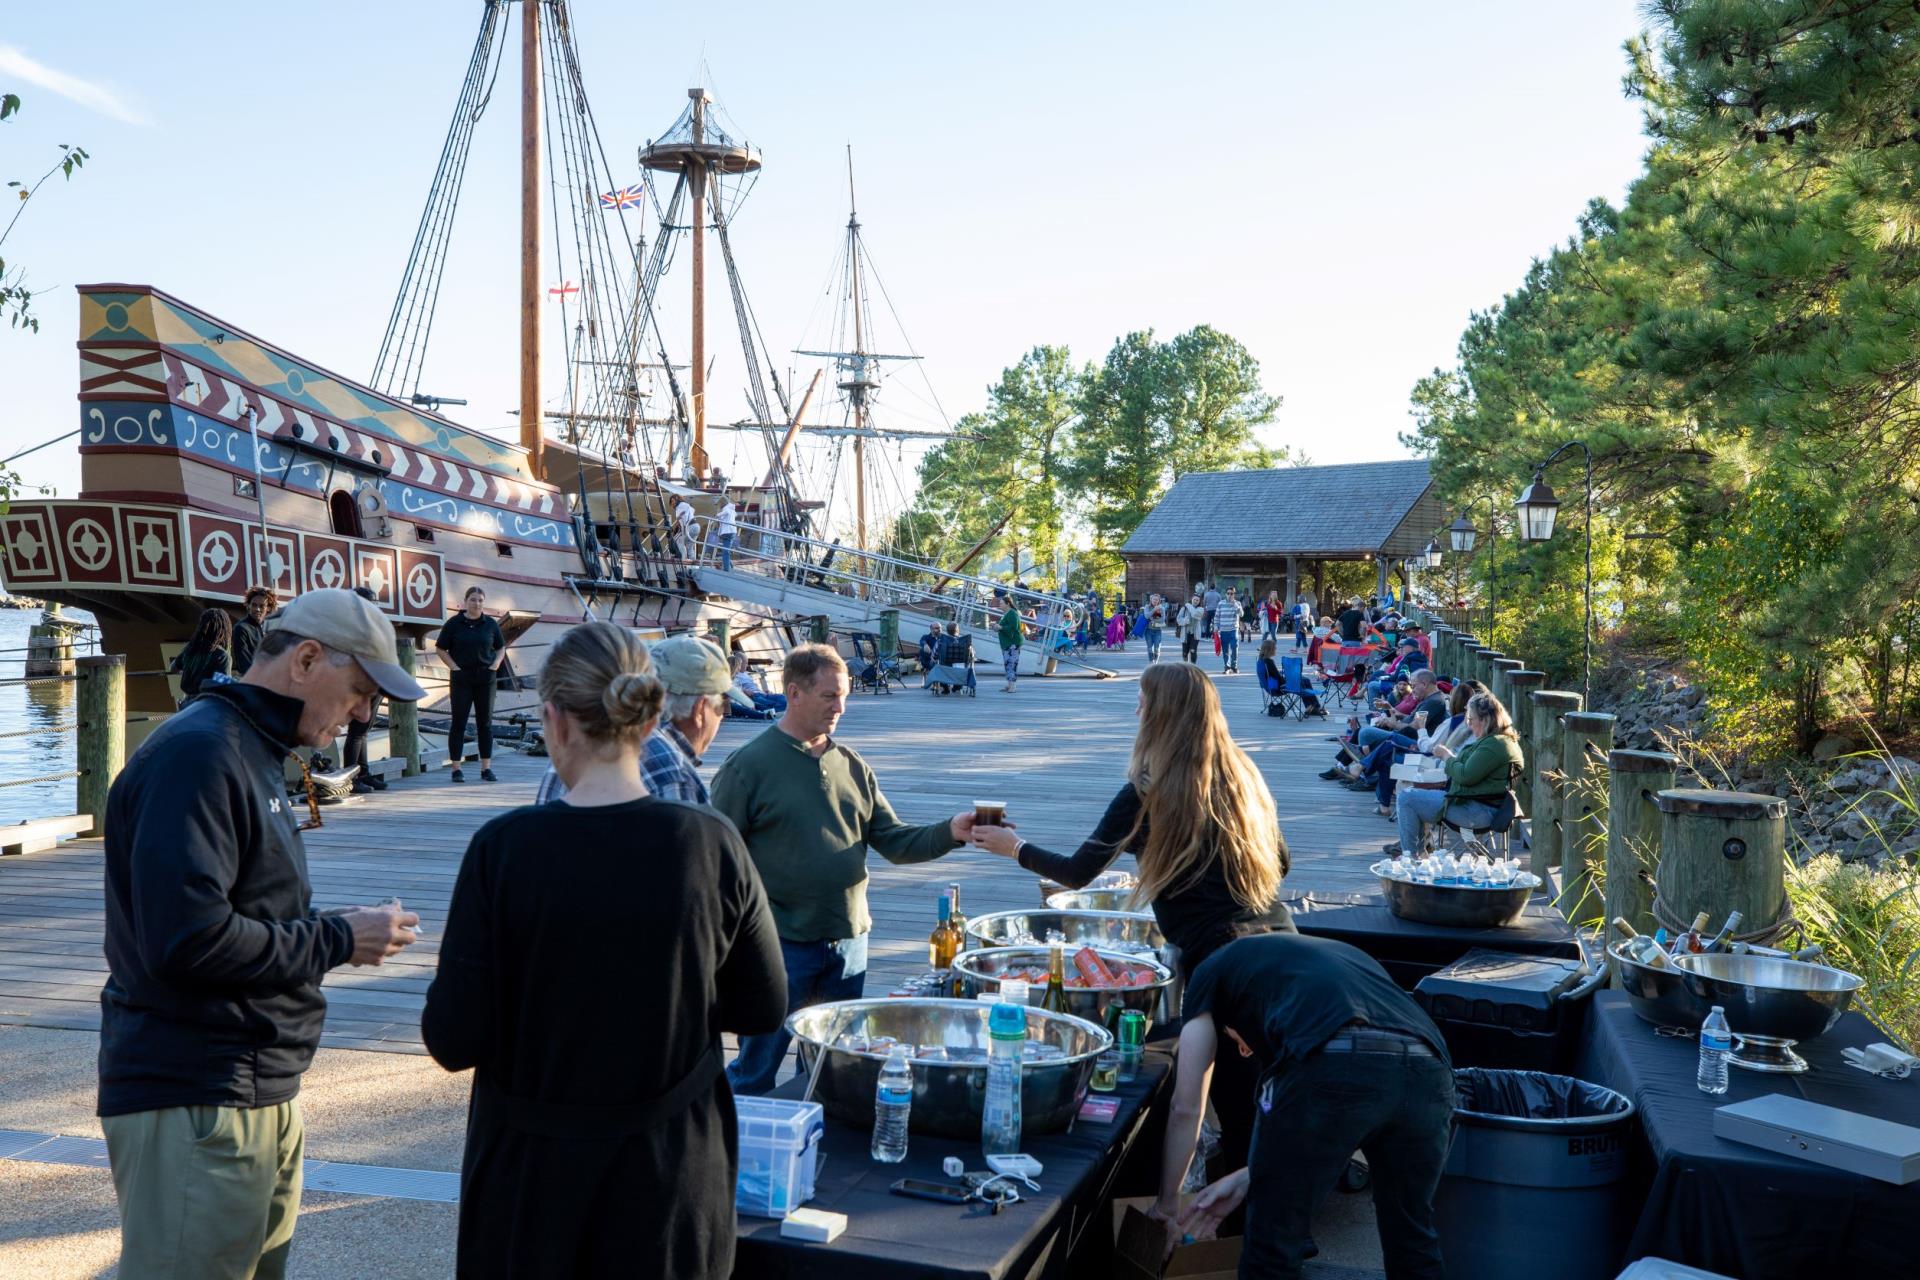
(990, 813)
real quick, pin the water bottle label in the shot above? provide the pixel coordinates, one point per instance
(1716, 1041)
(895, 1097)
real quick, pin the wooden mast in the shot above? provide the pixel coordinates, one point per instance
(697, 175)
(859, 377)
(531, 436)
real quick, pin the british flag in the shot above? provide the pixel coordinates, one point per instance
(624, 198)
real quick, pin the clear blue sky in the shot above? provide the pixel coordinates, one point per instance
(1335, 185)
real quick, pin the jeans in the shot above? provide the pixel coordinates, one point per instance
(726, 550)
(1229, 650)
(1153, 644)
(1189, 648)
(471, 691)
(817, 972)
(1394, 1107)
(354, 754)
(1419, 807)
(1379, 765)
(1372, 735)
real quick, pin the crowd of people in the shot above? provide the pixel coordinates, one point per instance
(750, 904)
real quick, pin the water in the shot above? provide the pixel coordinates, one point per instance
(43, 709)
(1000, 1116)
(892, 1100)
(1716, 1042)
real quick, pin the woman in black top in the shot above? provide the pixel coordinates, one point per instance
(1200, 820)
(207, 654)
(475, 648)
(595, 951)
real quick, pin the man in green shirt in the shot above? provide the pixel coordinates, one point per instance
(1012, 633)
(808, 808)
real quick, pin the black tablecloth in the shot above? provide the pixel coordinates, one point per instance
(1736, 1209)
(893, 1237)
(1410, 951)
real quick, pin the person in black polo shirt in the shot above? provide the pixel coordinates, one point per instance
(475, 649)
(1348, 1063)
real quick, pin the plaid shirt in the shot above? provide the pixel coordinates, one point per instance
(667, 765)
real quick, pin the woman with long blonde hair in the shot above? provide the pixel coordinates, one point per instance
(1200, 822)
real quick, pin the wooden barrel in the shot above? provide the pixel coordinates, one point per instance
(1587, 737)
(1502, 668)
(1543, 833)
(1722, 851)
(1633, 832)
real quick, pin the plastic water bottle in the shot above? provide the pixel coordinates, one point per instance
(892, 1100)
(1716, 1043)
(1500, 874)
(1449, 871)
(1423, 870)
(1000, 1116)
(1477, 871)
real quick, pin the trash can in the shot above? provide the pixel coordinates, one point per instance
(1533, 1184)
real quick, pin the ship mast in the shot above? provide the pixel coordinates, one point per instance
(697, 182)
(858, 386)
(531, 437)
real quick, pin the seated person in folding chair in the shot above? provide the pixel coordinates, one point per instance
(1275, 689)
(1376, 770)
(1478, 776)
(929, 652)
(1407, 659)
(953, 663)
(748, 698)
(1424, 691)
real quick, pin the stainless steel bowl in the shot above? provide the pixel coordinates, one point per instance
(1105, 880)
(1763, 996)
(1100, 928)
(980, 971)
(947, 1096)
(1092, 900)
(1460, 908)
(1657, 995)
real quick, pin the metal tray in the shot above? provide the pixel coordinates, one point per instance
(980, 968)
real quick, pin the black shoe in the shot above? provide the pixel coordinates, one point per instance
(375, 781)
(486, 775)
(1360, 784)
(360, 787)
(1332, 775)
(458, 776)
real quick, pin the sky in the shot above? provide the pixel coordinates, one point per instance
(1336, 186)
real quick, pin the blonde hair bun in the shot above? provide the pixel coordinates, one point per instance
(632, 698)
(602, 676)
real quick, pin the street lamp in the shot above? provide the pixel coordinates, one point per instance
(1433, 555)
(1463, 533)
(1538, 508)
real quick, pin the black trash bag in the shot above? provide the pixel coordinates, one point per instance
(1532, 1095)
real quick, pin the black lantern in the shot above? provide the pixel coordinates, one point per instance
(1433, 555)
(1463, 533)
(1537, 507)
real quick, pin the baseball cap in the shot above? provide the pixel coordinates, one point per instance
(691, 664)
(349, 624)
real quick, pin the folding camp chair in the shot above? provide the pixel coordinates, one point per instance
(874, 671)
(1496, 836)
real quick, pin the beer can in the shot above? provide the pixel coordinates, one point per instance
(1133, 1029)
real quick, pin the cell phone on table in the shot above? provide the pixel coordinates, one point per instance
(945, 1192)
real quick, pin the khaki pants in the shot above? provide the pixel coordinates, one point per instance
(206, 1193)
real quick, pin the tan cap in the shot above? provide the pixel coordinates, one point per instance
(691, 664)
(350, 624)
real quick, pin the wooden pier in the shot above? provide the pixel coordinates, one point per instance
(1055, 751)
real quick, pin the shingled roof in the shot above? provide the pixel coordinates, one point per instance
(1347, 510)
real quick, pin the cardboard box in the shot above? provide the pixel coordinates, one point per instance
(1140, 1245)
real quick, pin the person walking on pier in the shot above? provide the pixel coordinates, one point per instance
(212, 1007)
(808, 808)
(1156, 625)
(1226, 617)
(1191, 621)
(208, 653)
(1012, 633)
(595, 951)
(475, 648)
(251, 629)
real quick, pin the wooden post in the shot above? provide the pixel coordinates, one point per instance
(1587, 738)
(403, 718)
(1543, 834)
(1459, 655)
(1483, 666)
(1502, 669)
(720, 631)
(889, 634)
(1439, 635)
(1522, 684)
(1721, 851)
(819, 629)
(1633, 832)
(100, 749)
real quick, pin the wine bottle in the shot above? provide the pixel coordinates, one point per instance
(1689, 942)
(940, 941)
(959, 917)
(1624, 929)
(1721, 940)
(1055, 1000)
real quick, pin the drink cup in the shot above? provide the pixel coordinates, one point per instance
(418, 932)
(990, 813)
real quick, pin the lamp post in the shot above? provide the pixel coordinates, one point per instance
(1462, 532)
(1538, 507)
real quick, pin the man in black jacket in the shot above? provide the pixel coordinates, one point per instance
(212, 1007)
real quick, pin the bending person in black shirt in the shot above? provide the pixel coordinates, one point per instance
(1347, 1063)
(475, 648)
(595, 951)
(1199, 818)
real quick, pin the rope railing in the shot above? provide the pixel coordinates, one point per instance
(49, 777)
(69, 727)
(28, 680)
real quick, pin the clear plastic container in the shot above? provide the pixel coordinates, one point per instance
(779, 1144)
(1000, 1116)
(1716, 1045)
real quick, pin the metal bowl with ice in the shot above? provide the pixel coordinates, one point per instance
(1105, 880)
(1125, 931)
(1092, 900)
(1459, 906)
(1659, 996)
(1765, 996)
(980, 971)
(949, 1042)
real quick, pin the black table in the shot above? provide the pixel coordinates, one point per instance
(1736, 1209)
(1408, 950)
(893, 1237)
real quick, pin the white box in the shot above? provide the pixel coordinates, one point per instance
(1825, 1135)
(779, 1144)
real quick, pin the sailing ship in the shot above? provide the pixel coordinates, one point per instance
(213, 461)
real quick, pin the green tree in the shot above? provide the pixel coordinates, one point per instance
(16, 300)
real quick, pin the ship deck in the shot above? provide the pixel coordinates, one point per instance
(1055, 751)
